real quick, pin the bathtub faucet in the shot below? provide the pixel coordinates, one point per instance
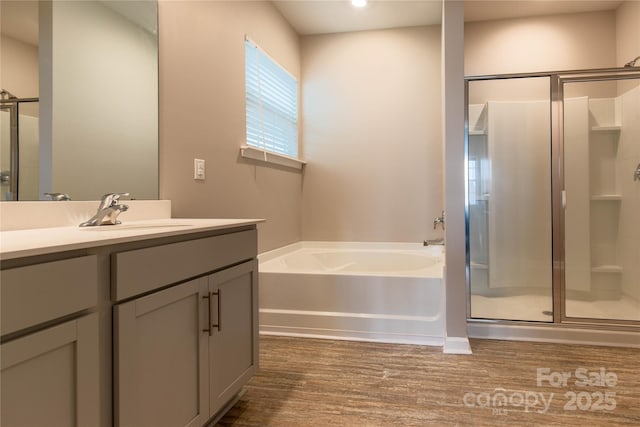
(438, 220)
(438, 242)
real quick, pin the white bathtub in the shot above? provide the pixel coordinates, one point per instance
(387, 292)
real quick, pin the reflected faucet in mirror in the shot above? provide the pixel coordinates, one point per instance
(57, 196)
(108, 211)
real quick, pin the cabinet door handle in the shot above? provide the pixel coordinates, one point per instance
(208, 328)
(218, 325)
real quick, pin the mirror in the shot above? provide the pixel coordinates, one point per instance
(79, 109)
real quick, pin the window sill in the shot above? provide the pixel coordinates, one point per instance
(269, 157)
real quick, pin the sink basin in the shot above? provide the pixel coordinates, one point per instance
(136, 226)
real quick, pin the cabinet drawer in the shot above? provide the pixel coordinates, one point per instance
(143, 270)
(41, 292)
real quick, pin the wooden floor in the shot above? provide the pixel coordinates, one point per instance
(307, 382)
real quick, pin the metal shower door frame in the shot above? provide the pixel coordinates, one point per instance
(558, 187)
(557, 80)
(13, 106)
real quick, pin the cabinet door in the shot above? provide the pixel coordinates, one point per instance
(233, 347)
(50, 378)
(160, 349)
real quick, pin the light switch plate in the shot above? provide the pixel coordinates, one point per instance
(198, 169)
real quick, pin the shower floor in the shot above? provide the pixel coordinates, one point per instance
(531, 307)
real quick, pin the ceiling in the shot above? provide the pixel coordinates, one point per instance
(320, 17)
(330, 16)
(481, 10)
(19, 18)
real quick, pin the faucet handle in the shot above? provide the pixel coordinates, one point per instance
(111, 199)
(438, 220)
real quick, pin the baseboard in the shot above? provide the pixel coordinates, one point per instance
(456, 345)
(345, 335)
(563, 335)
(385, 328)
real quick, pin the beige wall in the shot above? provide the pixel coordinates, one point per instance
(628, 32)
(371, 132)
(546, 43)
(627, 38)
(19, 68)
(202, 115)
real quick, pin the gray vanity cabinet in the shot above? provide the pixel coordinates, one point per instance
(50, 352)
(183, 352)
(161, 356)
(50, 377)
(233, 349)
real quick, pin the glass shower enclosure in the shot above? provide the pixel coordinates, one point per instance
(553, 197)
(19, 147)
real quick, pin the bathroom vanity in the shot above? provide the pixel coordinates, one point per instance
(143, 323)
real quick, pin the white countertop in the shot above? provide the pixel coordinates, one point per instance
(39, 241)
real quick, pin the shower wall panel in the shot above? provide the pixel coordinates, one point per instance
(578, 206)
(628, 159)
(602, 237)
(519, 201)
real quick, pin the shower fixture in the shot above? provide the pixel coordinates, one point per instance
(632, 63)
(439, 220)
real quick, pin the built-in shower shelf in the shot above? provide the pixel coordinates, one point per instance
(606, 128)
(607, 269)
(476, 132)
(606, 197)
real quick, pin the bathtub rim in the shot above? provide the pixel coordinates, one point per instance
(329, 244)
(433, 271)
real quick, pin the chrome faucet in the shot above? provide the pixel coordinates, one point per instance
(108, 211)
(438, 220)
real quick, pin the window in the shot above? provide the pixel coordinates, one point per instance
(272, 104)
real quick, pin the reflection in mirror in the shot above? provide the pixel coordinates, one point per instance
(92, 65)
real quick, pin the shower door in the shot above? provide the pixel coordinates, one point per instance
(553, 197)
(509, 199)
(601, 140)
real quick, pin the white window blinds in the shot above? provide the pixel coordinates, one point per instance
(272, 104)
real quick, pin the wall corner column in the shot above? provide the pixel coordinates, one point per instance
(456, 339)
